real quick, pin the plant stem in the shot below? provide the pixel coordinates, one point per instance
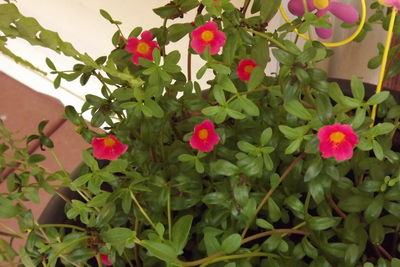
(189, 64)
(62, 226)
(269, 38)
(272, 232)
(169, 214)
(143, 211)
(127, 259)
(240, 256)
(215, 256)
(98, 259)
(272, 190)
(384, 61)
(12, 231)
(245, 6)
(335, 207)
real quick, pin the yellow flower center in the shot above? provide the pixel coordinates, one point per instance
(248, 68)
(142, 48)
(109, 142)
(203, 134)
(337, 137)
(207, 36)
(321, 4)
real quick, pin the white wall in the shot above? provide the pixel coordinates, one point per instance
(79, 22)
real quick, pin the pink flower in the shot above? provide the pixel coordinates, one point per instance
(337, 140)
(204, 137)
(245, 68)
(208, 34)
(105, 260)
(392, 3)
(141, 48)
(343, 11)
(107, 148)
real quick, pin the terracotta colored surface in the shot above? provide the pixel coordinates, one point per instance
(22, 109)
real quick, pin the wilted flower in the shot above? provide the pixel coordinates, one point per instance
(392, 3)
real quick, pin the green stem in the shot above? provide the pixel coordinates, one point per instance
(272, 190)
(260, 89)
(240, 256)
(142, 211)
(12, 231)
(98, 259)
(62, 226)
(169, 214)
(269, 38)
(127, 259)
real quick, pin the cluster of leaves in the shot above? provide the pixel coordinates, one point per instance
(263, 197)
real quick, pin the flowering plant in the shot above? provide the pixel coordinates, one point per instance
(248, 169)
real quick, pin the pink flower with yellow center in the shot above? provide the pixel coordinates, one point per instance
(337, 140)
(105, 260)
(390, 3)
(204, 137)
(107, 148)
(205, 35)
(141, 47)
(245, 68)
(342, 11)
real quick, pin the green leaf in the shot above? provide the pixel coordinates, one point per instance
(376, 232)
(354, 203)
(118, 237)
(156, 110)
(293, 146)
(265, 136)
(106, 15)
(374, 209)
(50, 64)
(316, 189)
(307, 55)
(89, 160)
(118, 165)
(72, 115)
(268, 9)
(378, 151)
(224, 167)
(308, 248)
(160, 250)
(264, 224)
(359, 118)
(35, 158)
(314, 169)
(272, 242)
(7, 208)
(302, 75)
(211, 243)
(210, 111)
(25, 259)
(283, 57)
(248, 106)
(352, 254)
(295, 108)
(219, 95)
(231, 243)
(180, 232)
(246, 147)
(274, 212)
(235, 114)
(227, 84)
(381, 129)
(178, 30)
(220, 68)
(256, 78)
(378, 98)
(322, 223)
(357, 88)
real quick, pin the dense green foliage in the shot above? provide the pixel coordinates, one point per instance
(263, 197)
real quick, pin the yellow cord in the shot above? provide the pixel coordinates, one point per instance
(384, 61)
(327, 44)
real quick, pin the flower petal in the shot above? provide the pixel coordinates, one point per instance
(344, 12)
